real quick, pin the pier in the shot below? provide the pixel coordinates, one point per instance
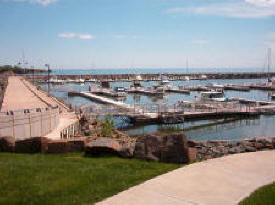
(106, 92)
(28, 112)
(160, 113)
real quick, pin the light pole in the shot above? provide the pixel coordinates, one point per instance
(32, 67)
(48, 66)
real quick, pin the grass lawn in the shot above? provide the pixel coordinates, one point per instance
(262, 196)
(70, 178)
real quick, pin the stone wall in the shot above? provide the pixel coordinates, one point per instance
(169, 148)
(214, 149)
(42, 145)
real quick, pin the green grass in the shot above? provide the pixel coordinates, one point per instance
(70, 178)
(262, 196)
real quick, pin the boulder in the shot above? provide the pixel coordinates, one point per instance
(61, 146)
(7, 144)
(249, 148)
(32, 145)
(77, 145)
(103, 145)
(127, 149)
(192, 154)
(165, 148)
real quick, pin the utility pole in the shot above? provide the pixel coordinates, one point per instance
(48, 66)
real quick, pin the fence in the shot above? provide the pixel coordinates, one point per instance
(29, 123)
(181, 107)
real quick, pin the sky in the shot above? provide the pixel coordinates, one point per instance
(83, 34)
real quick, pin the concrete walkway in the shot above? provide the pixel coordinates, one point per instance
(218, 181)
(21, 94)
(18, 96)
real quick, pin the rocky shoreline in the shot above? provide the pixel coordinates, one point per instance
(169, 148)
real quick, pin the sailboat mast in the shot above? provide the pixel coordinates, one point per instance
(187, 65)
(269, 60)
(269, 63)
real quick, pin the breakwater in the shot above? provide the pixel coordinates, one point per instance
(155, 77)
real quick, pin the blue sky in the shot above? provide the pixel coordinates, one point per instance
(137, 33)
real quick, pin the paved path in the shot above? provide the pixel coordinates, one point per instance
(18, 96)
(21, 94)
(218, 181)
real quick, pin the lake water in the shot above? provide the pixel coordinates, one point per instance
(199, 130)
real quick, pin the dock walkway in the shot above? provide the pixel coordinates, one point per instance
(105, 100)
(225, 180)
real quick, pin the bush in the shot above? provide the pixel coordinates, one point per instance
(107, 127)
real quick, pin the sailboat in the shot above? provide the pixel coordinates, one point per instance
(186, 78)
(269, 78)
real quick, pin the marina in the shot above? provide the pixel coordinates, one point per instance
(127, 102)
(138, 97)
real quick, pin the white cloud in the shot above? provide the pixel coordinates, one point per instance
(85, 36)
(235, 9)
(42, 2)
(67, 35)
(75, 35)
(200, 42)
(261, 2)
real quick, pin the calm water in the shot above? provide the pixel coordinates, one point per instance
(262, 126)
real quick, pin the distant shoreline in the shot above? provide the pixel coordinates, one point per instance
(20, 70)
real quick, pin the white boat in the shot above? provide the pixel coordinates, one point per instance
(164, 80)
(56, 81)
(80, 80)
(203, 77)
(138, 77)
(213, 96)
(214, 85)
(137, 82)
(186, 78)
(120, 91)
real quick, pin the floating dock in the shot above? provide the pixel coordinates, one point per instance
(177, 89)
(107, 93)
(140, 115)
(237, 88)
(149, 92)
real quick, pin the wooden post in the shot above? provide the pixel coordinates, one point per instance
(13, 130)
(30, 124)
(41, 126)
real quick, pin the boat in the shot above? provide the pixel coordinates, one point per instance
(214, 85)
(120, 91)
(137, 82)
(80, 80)
(186, 78)
(217, 96)
(164, 80)
(56, 81)
(203, 77)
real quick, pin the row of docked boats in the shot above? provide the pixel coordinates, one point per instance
(159, 89)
